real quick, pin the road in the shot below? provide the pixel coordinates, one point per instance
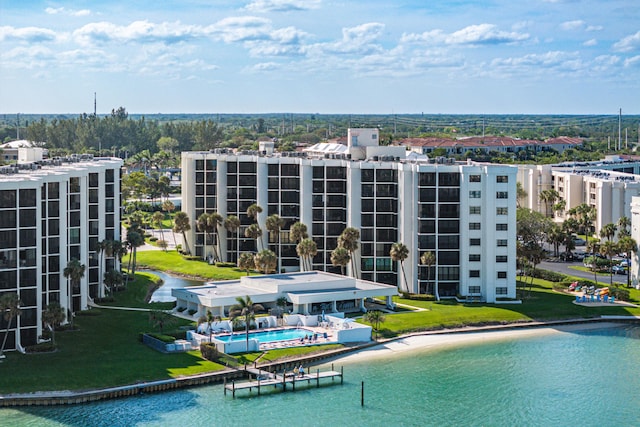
(563, 267)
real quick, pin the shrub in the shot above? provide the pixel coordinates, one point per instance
(550, 276)
(45, 347)
(209, 352)
(192, 258)
(192, 312)
(225, 264)
(620, 293)
(164, 338)
(153, 238)
(181, 309)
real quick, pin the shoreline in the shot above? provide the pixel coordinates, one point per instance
(406, 345)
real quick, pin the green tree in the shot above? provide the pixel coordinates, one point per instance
(168, 206)
(532, 229)
(348, 239)
(253, 211)
(265, 261)
(52, 316)
(253, 232)
(375, 318)
(428, 259)
(274, 224)
(10, 309)
(549, 198)
(246, 309)
(340, 257)
(73, 272)
(624, 224)
(628, 245)
(521, 194)
(113, 279)
(398, 253)
(161, 319)
(608, 231)
(182, 224)
(298, 232)
(245, 262)
(306, 250)
(157, 219)
(609, 249)
(135, 239)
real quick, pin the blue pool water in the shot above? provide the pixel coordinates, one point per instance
(580, 378)
(268, 336)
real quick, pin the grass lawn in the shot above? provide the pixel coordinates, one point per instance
(173, 262)
(283, 353)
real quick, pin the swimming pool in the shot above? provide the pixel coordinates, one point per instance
(268, 336)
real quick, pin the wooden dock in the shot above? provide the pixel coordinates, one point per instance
(289, 379)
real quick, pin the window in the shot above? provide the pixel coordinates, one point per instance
(474, 226)
(474, 273)
(501, 291)
(474, 178)
(502, 274)
(474, 289)
(502, 194)
(474, 257)
(502, 211)
(502, 178)
(474, 210)
(502, 227)
(475, 194)
(474, 242)
(502, 242)
(501, 258)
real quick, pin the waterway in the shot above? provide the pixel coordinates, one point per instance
(163, 293)
(586, 378)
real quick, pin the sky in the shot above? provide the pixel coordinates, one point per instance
(321, 56)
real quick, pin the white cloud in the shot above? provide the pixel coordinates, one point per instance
(591, 42)
(362, 39)
(470, 35)
(64, 11)
(633, 61)
(572, 25)
(137, 32)
(262, 6)
(594, 28)
(27, 34)
(239, 29)
(628, 44)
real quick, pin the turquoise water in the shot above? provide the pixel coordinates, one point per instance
(587, 378)
(163, 293)
(268, 336)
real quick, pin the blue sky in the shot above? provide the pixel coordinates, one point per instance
(321, 56)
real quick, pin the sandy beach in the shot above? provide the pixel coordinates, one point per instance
(421, 343)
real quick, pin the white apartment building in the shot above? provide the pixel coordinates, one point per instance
(52, 211)
(608, 185)
(464, 213)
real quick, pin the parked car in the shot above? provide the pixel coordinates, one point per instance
(618, 269)
(578, 256)
(578, 241)
(625, 263)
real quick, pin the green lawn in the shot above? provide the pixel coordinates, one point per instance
(283, 353)
(172, 261)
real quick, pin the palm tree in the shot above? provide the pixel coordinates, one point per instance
(609, 249)
(608, 231)
(298, 232)
(274, 224)
(52, 317)
(548, 197)
(429, 259)
(348, 239)
(253, 232)
(265, 261)
(232, 224)
(119, 250)
(157, 219)
(10, 308)
(245, 262)
(74, 272)
(623, 227)
(593, 247)
(161, 319)
(105, 248)
(134, 241)
(306, 250)
(169, 207)
(216, 221)
(204, 223)
(521, 194)
(398, 253)
(375, 317)
(246, 308)
(628, 245)
(253, 211)
(209, 318)
(340, 257)
(182, 224)
(585, 215)
(113, 279)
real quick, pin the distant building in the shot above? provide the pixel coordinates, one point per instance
(52, 211)
(464, 213)
(486, 144)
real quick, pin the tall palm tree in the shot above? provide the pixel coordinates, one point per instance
(608, 231)
(398, 253)
(246, 262)
(169, 207)
(247, 309)
(340, 257)
(375, 317)
(73, 272)
(134, 241)
(105, 248)
(624, 224)
(119, 250)
(52, 316)
(298, 232)
(429, 259)
(205, 224)
(112, 279)
(157, 219)
(593, 247)
(348, 239)
(628, 245)
(265, 261)
(253, 232)
(274, 224)
(253, 211)
(548, 197)
(10, 309)
(521, 194)
(182, 224)
(585, 215)
(232, 224)
(306, 250)
(609, 249)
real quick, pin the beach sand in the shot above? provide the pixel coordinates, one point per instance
(421, 343)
